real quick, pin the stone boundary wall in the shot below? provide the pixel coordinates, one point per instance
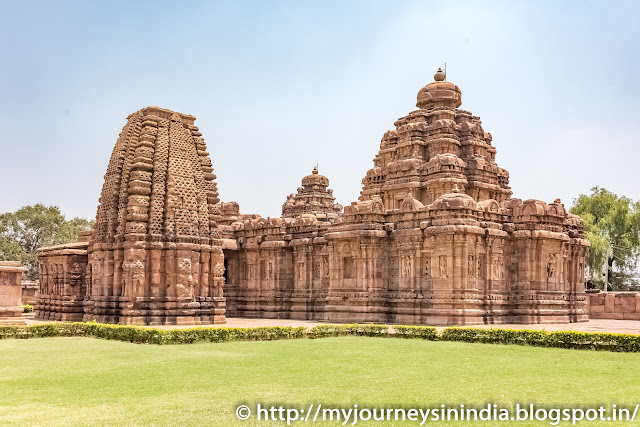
(614, 305)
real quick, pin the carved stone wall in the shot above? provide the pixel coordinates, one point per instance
(64, 278)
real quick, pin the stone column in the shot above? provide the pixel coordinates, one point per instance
(11, 293)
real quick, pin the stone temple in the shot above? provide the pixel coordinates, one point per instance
(155, 255)
(435, 237)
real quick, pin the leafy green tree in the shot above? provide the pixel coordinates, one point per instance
(612, 225)
(32, 227)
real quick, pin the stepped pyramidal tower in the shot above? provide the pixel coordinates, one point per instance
(436, 150)
(314, 197)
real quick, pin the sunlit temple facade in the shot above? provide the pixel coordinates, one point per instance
(435, 237)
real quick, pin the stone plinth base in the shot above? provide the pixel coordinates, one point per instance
(438, 309)
(12, 321)
(155, 310)
(60, 307)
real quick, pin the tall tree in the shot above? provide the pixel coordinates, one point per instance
(612, 225)
(32, 227)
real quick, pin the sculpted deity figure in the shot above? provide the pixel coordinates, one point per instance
(76, 275)
(302, 270)
(443, 266)
(185, 278)
(218, 283)
(551, 266)
(325, 267)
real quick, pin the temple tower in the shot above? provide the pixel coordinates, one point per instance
(314, 197)
(155, 255)
(436, 150)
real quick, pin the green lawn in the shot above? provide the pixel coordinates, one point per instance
(84, 381)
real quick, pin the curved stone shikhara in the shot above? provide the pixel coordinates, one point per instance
(155, 255)
(435, 237)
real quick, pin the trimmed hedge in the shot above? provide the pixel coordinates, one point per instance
(563, 339)
(324, 331)
(26, 308)
(424, 332)
(144, 335)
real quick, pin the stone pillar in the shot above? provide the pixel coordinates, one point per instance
(11, 293)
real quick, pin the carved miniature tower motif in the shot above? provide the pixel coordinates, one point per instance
(314, 197)
(156, 255)
(434, 150)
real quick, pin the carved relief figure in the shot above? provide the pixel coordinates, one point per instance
(243, 270)
(325, 267)
(407, 264)
(393, 266)
(513, 268)
(551, 266)
(96, 273)
(218, 279)
(443, 266)
(137, 277)
(76, 275)
(184, 287)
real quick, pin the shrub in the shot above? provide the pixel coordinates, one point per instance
(323, 331)
(144, 335)
(424, 332)
(26, 308)
(562, 339)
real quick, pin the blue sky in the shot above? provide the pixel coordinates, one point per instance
(280, 86)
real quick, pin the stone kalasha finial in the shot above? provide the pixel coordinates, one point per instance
(315, 170)
(439, 93)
